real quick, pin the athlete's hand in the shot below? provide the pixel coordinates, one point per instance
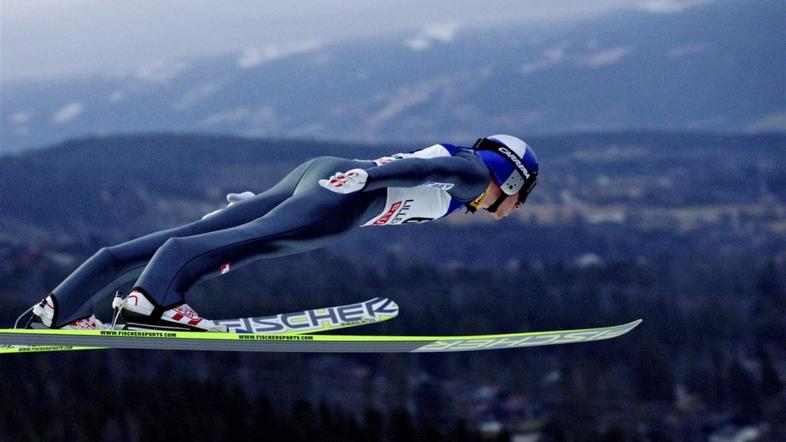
(232, 198)
(347, 182)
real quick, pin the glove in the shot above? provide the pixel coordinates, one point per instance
(348, 182)
(232, 198)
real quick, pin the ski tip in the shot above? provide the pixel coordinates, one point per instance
(633, 324)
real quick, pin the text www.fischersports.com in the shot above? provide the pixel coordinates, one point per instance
(139, 334)
(276, 337)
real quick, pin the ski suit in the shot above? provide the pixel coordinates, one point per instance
(294, 216)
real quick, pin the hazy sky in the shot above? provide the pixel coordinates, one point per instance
(52, 38)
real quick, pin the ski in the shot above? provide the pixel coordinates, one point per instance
(306, 343)
(301, 322)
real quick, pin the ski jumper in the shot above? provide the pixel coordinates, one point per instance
(294, 216)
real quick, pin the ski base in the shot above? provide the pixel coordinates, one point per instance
(306, 343)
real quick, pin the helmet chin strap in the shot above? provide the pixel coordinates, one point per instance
(474, 205)
(493, 208)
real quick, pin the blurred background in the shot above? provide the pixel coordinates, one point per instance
(660, 126)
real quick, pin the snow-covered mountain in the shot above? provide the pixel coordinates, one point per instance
(718, 66)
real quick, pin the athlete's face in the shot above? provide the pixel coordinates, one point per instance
(508, 204)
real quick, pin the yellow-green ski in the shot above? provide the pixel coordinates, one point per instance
(291, 342)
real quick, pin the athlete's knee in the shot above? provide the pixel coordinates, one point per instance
(173, 247)
(174, 243)
(327, 159)
(106, 257)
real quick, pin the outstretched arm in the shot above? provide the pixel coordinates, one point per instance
(463, 176)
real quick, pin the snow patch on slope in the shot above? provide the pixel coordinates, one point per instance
(68, 113)
(551, 57)
(671, 6)
(160, 71)
(687, 50)
(774, 122)
(253, 57)
(430, 35)
(199, 93)
(603, 57)
(117, 96)
(21, 117)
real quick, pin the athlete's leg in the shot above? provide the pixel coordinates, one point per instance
(113, 266)
(311, 218)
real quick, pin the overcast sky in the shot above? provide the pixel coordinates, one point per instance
(53, 38)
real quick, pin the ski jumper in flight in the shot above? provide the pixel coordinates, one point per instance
(314, 205)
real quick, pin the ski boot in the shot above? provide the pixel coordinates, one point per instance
(140, 313)
(45, 311)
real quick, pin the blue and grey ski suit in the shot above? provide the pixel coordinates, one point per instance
(294, 216)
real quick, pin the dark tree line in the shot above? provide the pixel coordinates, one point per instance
(88, 408)
(698, 355)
